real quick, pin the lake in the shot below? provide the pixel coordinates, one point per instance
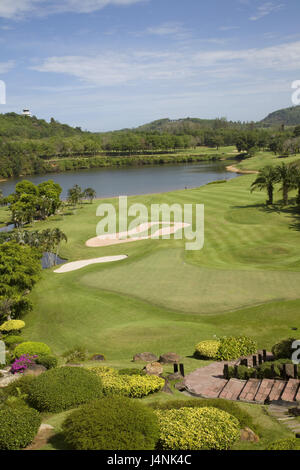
(109, 182)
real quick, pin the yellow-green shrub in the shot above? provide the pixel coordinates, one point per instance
(32, 348)
(197, 429)
(207, 349)
(12, 325)
(134, 386)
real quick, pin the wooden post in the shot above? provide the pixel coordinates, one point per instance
(265, 354)
(295, 371)
(260, 359)
(181, 366)
(284, 371)
(254, 361)
(273, 371)
(226, 371)
(175, 368)
(235, 371)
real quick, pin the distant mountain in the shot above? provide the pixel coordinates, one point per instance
(286, 116)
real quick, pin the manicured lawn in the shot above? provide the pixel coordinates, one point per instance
(163, 298)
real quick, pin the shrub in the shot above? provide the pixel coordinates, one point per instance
(232, 347)
(12, 340)
(50, 362)
(207, 349)
(18, 427)
(197, 429)
(76, 354)
(12, 325)
(32, 348)
(19, 387)
(66, 387)
(131, 372)
(112, 424)
(134, 386)
(22, 363)
(242, 372)
(283, 349)
(284, 444)
(230, 407)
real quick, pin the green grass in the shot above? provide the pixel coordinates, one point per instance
(265, 158)
(163, 298)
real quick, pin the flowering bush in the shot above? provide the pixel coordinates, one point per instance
(12, 325)
(22, 363)
(134, 386)
(197, 429)
(207, 349)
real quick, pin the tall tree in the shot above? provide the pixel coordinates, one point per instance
(89, 193)
(285, 175)
(266, 180)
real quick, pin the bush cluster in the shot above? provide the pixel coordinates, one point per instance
(18, 427)
(197, 429)
(284, 444)
(283, 349)
(232, 347)
(13, 340)
(50, 362)
(32, 348)
(230, 407)
(134, 386)
(12, 325)
(207, 349)
(112, 424)
(76, 354)
(62, 388)
(241, 372)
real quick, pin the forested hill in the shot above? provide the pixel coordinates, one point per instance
(15, 126)
(189, 125)
(286, 116)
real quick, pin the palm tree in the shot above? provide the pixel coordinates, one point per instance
(58, 237)
(90, 194)
(296, 181)
(285, 175)
(75, 194)
(265, 180)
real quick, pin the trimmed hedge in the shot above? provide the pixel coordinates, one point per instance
(133, 386)
(242, 372)
(230, 407)
(283, 349)
(112, 424)
(284, 444)
(50, 362)
(232, 347)
(32, 348)
(12, 340)
(12, 325)
(207, 349)
(19, 387)
(63, 388)
(18, 427)
(197, 429)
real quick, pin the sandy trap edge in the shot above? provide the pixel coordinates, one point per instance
(74, 265)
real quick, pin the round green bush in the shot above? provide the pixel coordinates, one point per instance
(18, 427)
(12, 325)
(32, 348)
(12, 340)
(284, 444)
(232, 347)
(66, 387)
(207, 349)
(197, 429)
(50, 362)
(242, 372)
(283, 349)
(20, 386)
(112, 424)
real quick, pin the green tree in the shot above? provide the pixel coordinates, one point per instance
(89, 193)
(285, 175)
(75, 194)
(266, 180)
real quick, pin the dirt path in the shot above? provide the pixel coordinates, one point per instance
(234, 169)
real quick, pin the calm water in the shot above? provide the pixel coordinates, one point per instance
(110, 182)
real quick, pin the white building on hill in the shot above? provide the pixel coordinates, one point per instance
(26, 112)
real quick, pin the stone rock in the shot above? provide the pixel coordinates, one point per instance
(98, 357)
(248, 435)
(145, 357)
(169, 358)
(180, 386)
(289, 371)
(8, 379)
(166, 388)
(175, 376)
(45, 427)
(35, 369)
(154, 368)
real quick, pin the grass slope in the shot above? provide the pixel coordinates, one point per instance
(244, 281)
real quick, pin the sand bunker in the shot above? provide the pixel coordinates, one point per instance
(126, 237)
(74, 265)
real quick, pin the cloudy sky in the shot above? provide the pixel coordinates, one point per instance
(110, 64)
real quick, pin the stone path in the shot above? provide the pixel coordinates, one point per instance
(280, 413)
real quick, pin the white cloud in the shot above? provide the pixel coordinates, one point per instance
(109, 68)
(167, 29)
(266, 9)
(15, 9)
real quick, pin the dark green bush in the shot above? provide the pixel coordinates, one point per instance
(12, 340)
(284, 444)
(18, 427)
(50, 362)
(66, 387)
(242, 372)
(112, 424)
(19, 387)
(283, 349)
(232, 408)
(273, 370)
(232, 347)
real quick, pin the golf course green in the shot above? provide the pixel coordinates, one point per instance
(246, 279)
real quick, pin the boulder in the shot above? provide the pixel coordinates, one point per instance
(175, 376)
(154, 368)
(8, 379)
(145, 357)
(169, 358)
(289, 368)
(248, 435)
(35, 369)
(180, 386)
(98, 357)
(166, 388)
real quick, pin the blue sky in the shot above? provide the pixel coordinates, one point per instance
(110, 64)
